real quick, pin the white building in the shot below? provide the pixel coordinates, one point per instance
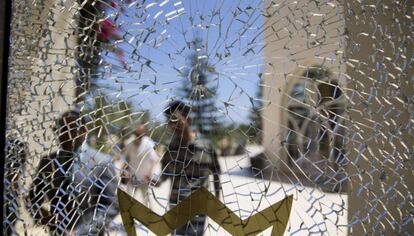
(337, 82)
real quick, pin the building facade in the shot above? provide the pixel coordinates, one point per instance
(338, 86)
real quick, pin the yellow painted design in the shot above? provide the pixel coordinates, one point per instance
(203, 202)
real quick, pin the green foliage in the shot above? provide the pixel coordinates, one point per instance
(236, 133)
(112, 119)
(255, 128)
(159, 133)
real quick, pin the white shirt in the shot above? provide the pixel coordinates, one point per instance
(89, 157)
(139, 157)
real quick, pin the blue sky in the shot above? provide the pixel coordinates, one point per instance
(155, 42)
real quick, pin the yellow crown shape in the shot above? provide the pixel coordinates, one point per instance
(202, 201)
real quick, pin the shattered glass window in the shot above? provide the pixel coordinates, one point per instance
(222, 117)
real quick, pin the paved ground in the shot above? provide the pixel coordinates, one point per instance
(313, 210)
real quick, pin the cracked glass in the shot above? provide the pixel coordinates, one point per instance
(237, 104)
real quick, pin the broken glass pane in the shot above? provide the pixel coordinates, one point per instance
(236, 104)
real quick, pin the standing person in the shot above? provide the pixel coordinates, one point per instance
(78, 181)
(141, 159)
(188, 162)
(53, 178)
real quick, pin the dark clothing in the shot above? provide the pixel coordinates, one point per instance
(189, 168)
(52, 183)
(14, 164)
(81, 188)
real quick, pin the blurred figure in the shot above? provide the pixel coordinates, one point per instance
(52, 181)
(188, 162)
(95, 182)
(141, 159)
(78, 181)
(14, 165)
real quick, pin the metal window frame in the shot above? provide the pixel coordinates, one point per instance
(5, 21)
